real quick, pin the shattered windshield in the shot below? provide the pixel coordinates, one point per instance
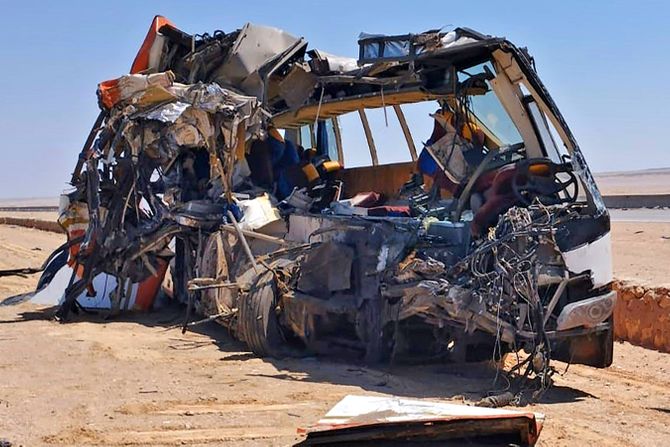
(490, 112)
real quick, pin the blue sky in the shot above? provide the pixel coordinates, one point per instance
(605, 63)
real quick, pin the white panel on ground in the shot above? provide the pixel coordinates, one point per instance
(54, 293)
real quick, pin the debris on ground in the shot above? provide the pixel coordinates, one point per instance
(358, 420)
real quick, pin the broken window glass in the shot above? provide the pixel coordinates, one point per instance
(490, 112)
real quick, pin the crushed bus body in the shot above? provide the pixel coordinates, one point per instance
(218, 166)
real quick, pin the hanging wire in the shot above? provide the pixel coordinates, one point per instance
(318, 109)
(386, 118)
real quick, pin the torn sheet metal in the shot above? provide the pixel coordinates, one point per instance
(149, 54)
(169, 113)
(374, 419)
(117, 90)
(305, 228)
(99, 295)
(326, 269)
(325, 63)
(165, 158)
(453, 39)
(254, 47)
(297, 86)
(258, 212)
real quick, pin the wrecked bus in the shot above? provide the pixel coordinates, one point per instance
(218, 167)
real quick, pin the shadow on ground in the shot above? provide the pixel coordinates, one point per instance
(466, 382)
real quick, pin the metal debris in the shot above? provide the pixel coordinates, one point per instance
(381, 420)
(217, 167)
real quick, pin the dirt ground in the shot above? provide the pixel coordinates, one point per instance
(641, 252)
(137, 381)
(24, 247)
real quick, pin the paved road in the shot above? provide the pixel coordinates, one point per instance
(640, 215)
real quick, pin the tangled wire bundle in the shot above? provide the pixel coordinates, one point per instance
(504, 276)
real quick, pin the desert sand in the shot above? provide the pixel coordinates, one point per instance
(136, 380)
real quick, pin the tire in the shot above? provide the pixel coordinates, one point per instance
(213, 263)
(607, 346)
(258, 324)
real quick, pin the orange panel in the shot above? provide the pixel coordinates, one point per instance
(147, 290)
(385, 179)
(141, 61)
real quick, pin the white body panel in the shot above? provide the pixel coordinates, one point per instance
(596, 257)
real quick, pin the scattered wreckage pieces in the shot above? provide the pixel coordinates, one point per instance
(146, 162)
(392, 420)
(497, 290)
(21, 271)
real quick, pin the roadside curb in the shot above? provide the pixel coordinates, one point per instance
(642, 315)
(38, 224)
(634, 201)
